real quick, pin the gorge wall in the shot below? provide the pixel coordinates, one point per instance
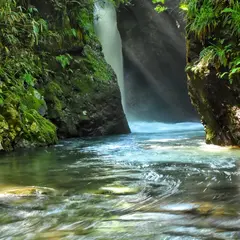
(154, 52)
(213, 60)
(54, 79)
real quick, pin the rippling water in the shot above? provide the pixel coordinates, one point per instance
(160, 182)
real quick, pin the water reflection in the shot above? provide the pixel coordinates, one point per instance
(162, 185)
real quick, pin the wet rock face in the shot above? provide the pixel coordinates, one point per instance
(154, 61)
(216, 100)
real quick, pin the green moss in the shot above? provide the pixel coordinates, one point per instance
(85, 19)
(100, 69)
(33, 84)
(4, 128)
(37, 128)
(34, 100)
(53, 94)
(83, 83)
(210, 134)
(3, 124)
(21, 121)
(53, 88)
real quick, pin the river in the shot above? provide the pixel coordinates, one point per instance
(162, 182)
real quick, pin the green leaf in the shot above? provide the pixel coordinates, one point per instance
(74, 32)
(28, 78)
(235, 70)
(35, 29)
(183, 6)
(158, 1)
(227, 10)
(64, 60)
(160, 8)
(32, 9)
(1, 100)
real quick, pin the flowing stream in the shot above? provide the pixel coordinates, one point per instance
(160, 182)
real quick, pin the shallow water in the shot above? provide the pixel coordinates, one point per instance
(160, 182)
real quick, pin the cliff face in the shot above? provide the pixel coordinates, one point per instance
(154, 61)
(54, 79)
(213, 60)
(216, 100)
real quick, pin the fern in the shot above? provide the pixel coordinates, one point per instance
(210, 20)
(234, 67)
(204, 19)
(232, 18)
(216, 54)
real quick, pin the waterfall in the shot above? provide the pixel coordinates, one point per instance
(105, 23)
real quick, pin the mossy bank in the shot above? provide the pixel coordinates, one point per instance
(213, 67)
(54, 81)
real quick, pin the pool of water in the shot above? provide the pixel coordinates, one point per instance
(160, 182)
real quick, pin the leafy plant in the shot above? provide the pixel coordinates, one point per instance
(216, 25)
(28, 78)
(160, 5)
(232, 18)
(217, 54)
(234, 70)
(204, 20)
(64, 60)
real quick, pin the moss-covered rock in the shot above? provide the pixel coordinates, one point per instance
(216, 100)
(213, 67)
(84, 98)
(22, 126)
(55, 81)
(27, 191)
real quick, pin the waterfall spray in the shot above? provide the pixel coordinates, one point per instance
(106, 29)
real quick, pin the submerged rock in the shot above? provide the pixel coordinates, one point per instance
(118, 190)
(27, 191)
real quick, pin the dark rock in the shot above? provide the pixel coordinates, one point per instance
(216, 100)
(154, 60)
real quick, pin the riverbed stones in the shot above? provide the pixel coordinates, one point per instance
(118, 190)
(27, 192)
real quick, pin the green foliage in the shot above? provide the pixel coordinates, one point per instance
(100, 69)
(31, 43)
(217, 54)
(216, 24)
(234, 69)
(160, 5)
(64, 60)
(211, 20)
(28, 78)
(232, 18)
(204, 20)
(22, 30)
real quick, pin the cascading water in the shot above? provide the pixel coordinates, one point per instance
(106, 29)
